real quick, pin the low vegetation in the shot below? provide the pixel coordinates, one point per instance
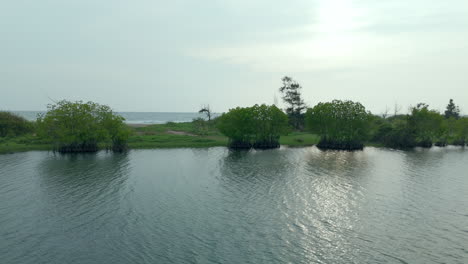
(422, 127)
(82, 127)
(12, 125)
(340, 124)
(259, 126)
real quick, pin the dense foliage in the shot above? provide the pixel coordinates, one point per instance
(340, 124)
(82, 127)
(460, 134)
(78, 127)
(393, 132)
(13, 125)
(426, 125)
(421, 127)
(259, 126)
(291, 91)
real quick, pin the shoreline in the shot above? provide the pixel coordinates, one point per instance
(27, 148)
(166, 136)
(160, 136)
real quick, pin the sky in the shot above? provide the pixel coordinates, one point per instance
(175, 55)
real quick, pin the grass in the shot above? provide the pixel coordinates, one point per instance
(175, 141)
(161, 136)
(187, 127)
(299, 139)
(22, 143)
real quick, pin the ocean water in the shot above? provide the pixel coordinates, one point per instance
(137, 117)
(289, 205)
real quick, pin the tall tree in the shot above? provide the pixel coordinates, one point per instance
(291, 91)
(452, 110)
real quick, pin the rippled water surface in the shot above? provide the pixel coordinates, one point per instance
(217, 206)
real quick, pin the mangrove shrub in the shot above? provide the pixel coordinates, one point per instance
(426, 124)
(13, 125)
(421, 127)
(82, 127)
(259, 126)
(461, 132)
(340, 124)
(394, 132)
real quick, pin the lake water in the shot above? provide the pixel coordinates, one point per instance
(137, 117)
(218, 206)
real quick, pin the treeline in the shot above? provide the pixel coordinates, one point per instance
(344, 125)
(422, 127)
(12, 125)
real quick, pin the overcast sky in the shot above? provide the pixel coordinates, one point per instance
(175, 55)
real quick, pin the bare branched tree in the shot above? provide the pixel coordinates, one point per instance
(385, 112)
(206, 109)
(397, 108)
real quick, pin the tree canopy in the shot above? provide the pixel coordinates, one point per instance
(81, 127)
(426, 124)
(13, 125)
(259, 126)
(422, 127)
(340, 124)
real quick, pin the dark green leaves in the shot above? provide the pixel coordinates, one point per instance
(260, 126)
(13, 125)
(339, 120)
(78, 126)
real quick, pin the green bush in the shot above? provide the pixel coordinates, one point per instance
(340, 124)
(423, 127)
(259, 126)
(82, 127)
(13, 125)
(395, 133)
(461, 132)
(426, 124)
(200, 126)
(270, 123)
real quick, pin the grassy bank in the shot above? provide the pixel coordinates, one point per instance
(22, 143)
(170, 135)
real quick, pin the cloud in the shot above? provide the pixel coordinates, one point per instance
(345, 34)
(155, 48)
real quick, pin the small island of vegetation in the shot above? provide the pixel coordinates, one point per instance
(82, 127)
(257, 126)
(339, 125)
